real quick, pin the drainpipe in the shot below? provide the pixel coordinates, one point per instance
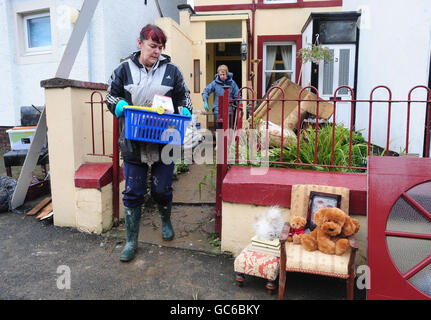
(158, 8)
(253, 15)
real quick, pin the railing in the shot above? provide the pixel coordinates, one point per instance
(231, 137)
(115, 153)
(252, 102)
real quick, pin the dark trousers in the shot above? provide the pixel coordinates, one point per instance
(136, 183)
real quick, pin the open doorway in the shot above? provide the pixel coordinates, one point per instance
(228, 53)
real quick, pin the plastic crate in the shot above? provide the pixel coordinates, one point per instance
(20, 138)
(150, 126)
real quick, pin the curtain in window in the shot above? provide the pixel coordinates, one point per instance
(286, 54)
(271, 52)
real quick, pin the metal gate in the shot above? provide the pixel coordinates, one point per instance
(399, 228)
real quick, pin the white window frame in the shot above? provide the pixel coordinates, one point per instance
(24, 9)
(279, 1)
(293, 70)
(35, 50)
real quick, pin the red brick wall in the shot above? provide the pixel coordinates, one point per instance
(4, 139)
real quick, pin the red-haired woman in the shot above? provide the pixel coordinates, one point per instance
(135, 82)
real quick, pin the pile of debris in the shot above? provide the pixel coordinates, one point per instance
(7, 187)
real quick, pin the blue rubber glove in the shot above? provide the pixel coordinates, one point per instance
(206, 106)
(119, 108)
(186, 112)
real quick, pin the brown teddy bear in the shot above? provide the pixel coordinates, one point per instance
(333, 226)
(297, 226)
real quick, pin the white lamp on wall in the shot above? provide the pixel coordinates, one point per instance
(244, 51)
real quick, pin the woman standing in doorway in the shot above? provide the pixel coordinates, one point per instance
(222, 78)
(135, 82)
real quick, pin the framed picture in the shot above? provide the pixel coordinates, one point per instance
(319, 200)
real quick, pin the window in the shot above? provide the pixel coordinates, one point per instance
(223, 29)
(38, 25)
(338, 72)
(337, 31)
(279, 59)
(37, 32)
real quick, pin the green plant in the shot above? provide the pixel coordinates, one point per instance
(195, 294)
(180, 167)
(315, 54)
(307, 150)
(214, 239)
(324, 150)
(210, 178)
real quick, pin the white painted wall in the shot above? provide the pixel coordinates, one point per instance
(112, 35)
(6, 65)
(394, 50)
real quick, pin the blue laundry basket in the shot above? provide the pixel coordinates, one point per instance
(150, 126)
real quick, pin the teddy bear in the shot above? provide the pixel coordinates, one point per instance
(297, 226)
(330, 235)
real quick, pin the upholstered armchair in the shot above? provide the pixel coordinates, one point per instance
(295, 258)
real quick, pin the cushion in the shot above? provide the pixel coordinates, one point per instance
(301, 196)
(257, 264)
(17, 157)
(300, 260)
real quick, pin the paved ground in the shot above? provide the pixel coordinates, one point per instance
(37, 257)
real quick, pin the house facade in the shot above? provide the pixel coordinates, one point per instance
(371, 41)
(36, 33)
(268, 31)
(395, 51)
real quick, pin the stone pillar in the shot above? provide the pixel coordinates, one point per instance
(70, 145)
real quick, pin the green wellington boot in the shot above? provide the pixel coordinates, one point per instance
(165, 214)
(132, 217)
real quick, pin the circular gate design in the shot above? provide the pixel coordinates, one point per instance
(408, 236)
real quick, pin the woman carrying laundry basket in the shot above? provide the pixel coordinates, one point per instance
(135, 82)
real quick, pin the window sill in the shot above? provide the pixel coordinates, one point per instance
(35, 53)
(37, 57)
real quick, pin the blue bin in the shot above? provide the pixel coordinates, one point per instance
(149, 126)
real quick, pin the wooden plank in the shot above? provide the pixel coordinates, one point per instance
(45, 211)
(39, 206)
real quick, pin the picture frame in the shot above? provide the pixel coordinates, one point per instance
(319, 200)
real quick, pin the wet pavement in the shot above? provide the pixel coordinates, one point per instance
(41, 261)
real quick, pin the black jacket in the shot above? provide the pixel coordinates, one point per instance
(131, 82)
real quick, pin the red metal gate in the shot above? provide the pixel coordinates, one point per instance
(399, 228)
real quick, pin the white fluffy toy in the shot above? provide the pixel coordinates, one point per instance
(268, 224)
